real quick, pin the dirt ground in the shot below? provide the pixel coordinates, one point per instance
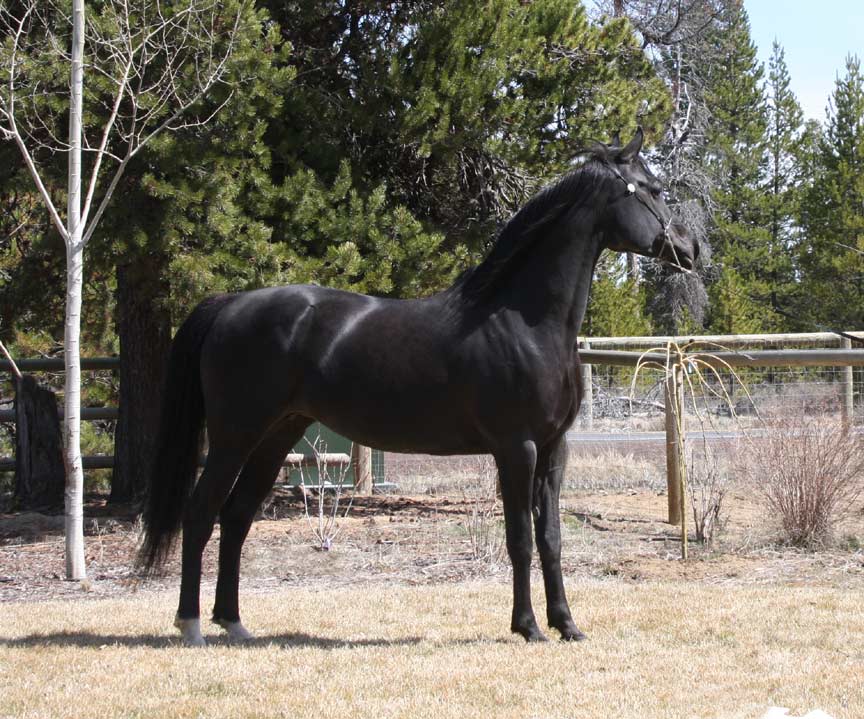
(442, 532)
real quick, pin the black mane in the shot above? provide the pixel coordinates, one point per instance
(522, 231)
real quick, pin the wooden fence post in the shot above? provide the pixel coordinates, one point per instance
(586, 411)
(361, 461)
(674, 391)
(847, 404)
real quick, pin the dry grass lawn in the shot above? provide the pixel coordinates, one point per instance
(656, 650)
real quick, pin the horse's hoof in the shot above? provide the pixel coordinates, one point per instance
(191, 631)
(237, 633)
(573, 635)
(530, 634)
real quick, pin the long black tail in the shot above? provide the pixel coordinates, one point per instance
(178, 442)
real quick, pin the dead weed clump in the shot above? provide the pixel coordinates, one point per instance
(482, 520)
(810, 473)
(708, 484)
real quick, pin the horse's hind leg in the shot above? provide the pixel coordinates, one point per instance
(251, 489)
(547, 526)
(224, 461)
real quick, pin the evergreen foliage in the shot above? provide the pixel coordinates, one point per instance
(616, 307)
(735, 156)
(785, 135)
(832, 246)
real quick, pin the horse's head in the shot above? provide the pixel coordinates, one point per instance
(636, 218)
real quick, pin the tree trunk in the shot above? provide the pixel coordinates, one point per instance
(633, 272)
(39, 471)
(144, 329)
(74, 495)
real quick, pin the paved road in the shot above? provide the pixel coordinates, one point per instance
(575, 436)
(616, 437)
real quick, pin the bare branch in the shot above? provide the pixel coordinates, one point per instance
(12, 132)
(100, 153)
(155, 64)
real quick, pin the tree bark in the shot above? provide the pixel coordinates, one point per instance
(144, 329)
(633, 272)
(39, 470)
(74, 493)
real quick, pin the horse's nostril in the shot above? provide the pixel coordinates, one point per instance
(695, 250)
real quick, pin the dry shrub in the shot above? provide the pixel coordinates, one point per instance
(707, 483)
(324, 525)
(810, 471)
(482, 522)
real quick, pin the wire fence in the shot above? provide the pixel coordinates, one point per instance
(623, 400)
(623, 418)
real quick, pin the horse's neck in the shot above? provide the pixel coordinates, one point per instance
(551, 288)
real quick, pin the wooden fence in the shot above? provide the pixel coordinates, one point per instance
(360, 458)
(843, 356)
(722, 358)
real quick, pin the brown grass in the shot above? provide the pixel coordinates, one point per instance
(656, 651)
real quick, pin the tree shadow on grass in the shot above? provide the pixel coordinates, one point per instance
(285, 640)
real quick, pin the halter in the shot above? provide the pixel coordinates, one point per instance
(667, 239)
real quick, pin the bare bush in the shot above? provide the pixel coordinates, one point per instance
(481, 515)
(707, 486)
(331, 482)
(810, 472)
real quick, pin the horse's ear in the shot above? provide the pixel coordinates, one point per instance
(633, 147)
(616, 140)
(599, 150)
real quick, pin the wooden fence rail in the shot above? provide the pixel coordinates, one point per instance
(822, 338)
(845, 357)
(744, 358)
(361, 460)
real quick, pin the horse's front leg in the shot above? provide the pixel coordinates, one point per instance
(547, 525)
(516, 474)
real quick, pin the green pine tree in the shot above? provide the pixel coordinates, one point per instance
(832, 246)
(616, 307)
(733, 311)
(735, 154)
(458, 110)
(785, 146)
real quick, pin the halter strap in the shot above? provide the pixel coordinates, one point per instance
(667, 239)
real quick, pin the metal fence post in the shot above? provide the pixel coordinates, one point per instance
(587, 409)
(847, 403)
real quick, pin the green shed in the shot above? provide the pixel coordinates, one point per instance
(326, 441)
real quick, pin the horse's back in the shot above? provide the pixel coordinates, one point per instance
(378, 370)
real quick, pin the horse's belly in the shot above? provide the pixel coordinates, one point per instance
(410, 418)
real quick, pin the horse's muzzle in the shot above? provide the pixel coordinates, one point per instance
(676, 247)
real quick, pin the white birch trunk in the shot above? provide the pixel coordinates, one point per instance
(74, 495)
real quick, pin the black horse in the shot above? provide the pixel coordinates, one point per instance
(488, 366)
